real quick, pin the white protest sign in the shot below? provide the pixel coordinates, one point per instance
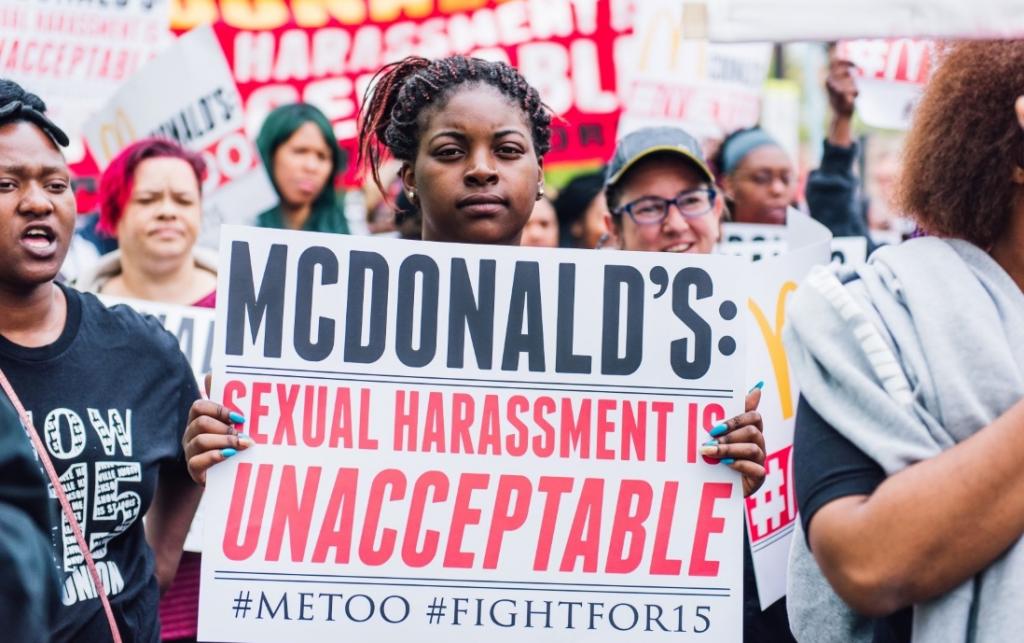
(187, 94)
(475, 443)
(752, 232)
(756, 241)
(891, 75)
(667, 77)
(849, 251)
(772, 511)
(194, 329)
(75, 55)
(796, 20)
(752, 250)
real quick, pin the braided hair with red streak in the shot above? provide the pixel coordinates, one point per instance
(401, 91)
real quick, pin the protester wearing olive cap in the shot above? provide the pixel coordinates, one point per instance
(661, 197)
(651, 169)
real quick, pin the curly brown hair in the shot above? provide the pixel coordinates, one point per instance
(965, 142)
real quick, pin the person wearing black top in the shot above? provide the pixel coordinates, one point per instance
(108, 392)
(28, 579)
(826, 467)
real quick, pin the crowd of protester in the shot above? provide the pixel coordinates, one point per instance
(908, 408)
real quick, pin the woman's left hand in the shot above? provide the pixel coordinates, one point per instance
(739, 443)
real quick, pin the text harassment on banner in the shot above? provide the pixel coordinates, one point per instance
(325, 53)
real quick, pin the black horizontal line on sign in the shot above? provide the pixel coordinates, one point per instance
(468, 580)
(773, 539)
(503, 588)
(662, 391)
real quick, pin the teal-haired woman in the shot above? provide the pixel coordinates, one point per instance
(303, 158)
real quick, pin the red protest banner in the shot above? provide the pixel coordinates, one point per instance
(325, 51)
(891, 75)
(903, 60)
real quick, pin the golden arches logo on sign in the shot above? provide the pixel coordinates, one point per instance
(776, 349)
(116, 136)
(666, 27)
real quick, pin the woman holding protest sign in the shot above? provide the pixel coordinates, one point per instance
(471, 136)
(908, 475)
(150, 200)
(661, 197)
(303, 158)
(110, 444)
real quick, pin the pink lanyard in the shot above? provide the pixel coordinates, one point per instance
(64, 504)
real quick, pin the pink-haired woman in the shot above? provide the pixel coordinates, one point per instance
(151, 201)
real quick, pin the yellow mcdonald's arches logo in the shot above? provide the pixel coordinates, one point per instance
(662, 19)
(776, 349)
(117, 135)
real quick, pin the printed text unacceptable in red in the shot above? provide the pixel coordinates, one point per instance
(485, 425)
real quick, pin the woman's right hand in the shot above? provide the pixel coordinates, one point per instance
(211, 437)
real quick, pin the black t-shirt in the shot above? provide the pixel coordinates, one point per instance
(110, 400)
(826, 467)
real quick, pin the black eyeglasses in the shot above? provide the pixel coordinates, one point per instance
(651, 210)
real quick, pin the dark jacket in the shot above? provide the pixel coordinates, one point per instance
(832, 194)
(28, 576)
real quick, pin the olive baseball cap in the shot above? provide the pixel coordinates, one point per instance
(637, 145)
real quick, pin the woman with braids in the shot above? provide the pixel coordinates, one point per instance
(106, 394)
(471, 136)
(907, 452)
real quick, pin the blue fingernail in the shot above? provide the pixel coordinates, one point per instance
(727, 460)
(710, 443)
(236, 417)
(227, 453)
(759, 385)
(719, 431)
